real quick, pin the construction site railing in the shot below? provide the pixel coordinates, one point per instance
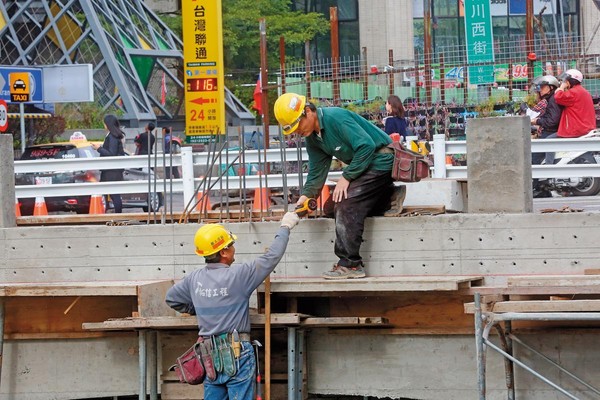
(188, 161)
(442, 147)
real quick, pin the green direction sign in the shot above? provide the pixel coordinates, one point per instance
(480, 43)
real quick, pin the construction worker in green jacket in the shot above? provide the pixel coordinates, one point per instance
(366, 187)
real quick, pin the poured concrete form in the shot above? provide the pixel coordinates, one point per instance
(431, 366)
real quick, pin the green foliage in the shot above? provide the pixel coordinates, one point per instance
(83, 115)
(241, 35)
(37, 131)
(173, 22)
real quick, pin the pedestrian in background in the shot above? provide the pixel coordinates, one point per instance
(395, 122)
(366, 187)
(169, 148)
(112, 146)
(145, 141)
(219, 294)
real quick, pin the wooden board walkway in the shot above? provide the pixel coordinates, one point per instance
(523, 306)
(190, 322)
(379, 285)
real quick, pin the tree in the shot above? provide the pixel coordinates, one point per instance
(241, 36)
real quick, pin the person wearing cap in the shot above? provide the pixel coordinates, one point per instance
(219, 294)
(366, 187)
(578, 117)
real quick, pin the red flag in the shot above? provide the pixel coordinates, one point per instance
(258, 96)
(163, 89)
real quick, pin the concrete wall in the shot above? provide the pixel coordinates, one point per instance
(385, 25)
(423, 367)
(493, 245)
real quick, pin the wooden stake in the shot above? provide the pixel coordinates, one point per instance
(268, 338)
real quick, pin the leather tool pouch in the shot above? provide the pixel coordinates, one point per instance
(206, 349)
(408, 165)
(189, 367)
(226, 353)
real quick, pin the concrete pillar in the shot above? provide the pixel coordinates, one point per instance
(499, 165)
(8, 218)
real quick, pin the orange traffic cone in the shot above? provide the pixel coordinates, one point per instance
(17, 207)
(262, 199)
(97, 204)
(203, 202)
(325, 194)
(40, 206)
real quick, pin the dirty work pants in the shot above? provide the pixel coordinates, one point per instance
(241, 386)
(369, 195)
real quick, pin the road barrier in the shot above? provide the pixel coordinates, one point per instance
(228, 161)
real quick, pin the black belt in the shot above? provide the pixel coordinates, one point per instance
(244, 337)
(385, 150)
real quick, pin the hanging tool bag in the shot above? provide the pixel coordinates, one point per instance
(189, 366)
(408, 165)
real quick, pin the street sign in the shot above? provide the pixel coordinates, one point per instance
(203, 67)
(9, 86)
(3, 116)
(480, 44)
(19, 87)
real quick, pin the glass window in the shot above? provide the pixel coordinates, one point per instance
(445, 8)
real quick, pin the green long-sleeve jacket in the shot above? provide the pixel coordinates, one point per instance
(352, 140)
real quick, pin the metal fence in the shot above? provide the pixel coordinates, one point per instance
(355, 80)
(234, 177)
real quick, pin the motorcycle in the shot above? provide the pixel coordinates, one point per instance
(580, 186)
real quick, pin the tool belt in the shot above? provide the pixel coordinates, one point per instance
(408, 165)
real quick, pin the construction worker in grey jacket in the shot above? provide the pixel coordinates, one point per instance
(219, 294)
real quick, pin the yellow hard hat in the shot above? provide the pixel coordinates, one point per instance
(289, 109)
(212, 238)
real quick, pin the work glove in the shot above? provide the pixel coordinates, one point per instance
(290, 219)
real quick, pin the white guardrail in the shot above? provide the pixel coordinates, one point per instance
(187, 160)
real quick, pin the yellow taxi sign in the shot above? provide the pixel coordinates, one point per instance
(19, 87)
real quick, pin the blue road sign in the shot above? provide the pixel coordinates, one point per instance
(36, 94)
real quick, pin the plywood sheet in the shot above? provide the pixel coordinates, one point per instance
(538, 306)
(374, 284)
(110, 288)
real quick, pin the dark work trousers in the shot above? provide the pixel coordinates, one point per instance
(537, 158)
(368, 196)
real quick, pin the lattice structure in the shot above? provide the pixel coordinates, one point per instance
(136, 58)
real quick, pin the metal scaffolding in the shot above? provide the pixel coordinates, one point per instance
(486, 321)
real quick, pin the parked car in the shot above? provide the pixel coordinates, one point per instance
(79, 204)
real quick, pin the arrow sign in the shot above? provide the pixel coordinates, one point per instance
(201, 100)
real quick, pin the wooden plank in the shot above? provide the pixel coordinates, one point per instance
(553, 280)
(422, 312)
(142, 218)
(181, 391)
(57, 289)
(181, 322)
(329, 322)
(591, 271)
(373, 284)
(151, 299)
(532, 290)
(538, 306)
(43, 316)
